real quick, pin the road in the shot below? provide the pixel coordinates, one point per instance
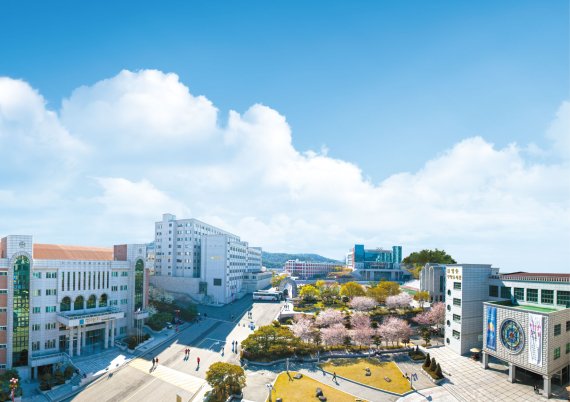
(210, 340)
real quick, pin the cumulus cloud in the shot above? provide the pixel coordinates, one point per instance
(479, 202)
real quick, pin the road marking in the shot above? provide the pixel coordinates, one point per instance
(177, 378)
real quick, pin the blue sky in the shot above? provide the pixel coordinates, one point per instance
(385, 84)
(378, 93)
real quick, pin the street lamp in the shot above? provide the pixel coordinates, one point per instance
(13, 386)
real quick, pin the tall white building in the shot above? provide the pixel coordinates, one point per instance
(201, 260)
(432, 280)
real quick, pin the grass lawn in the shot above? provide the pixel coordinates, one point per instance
(354, 369)
(304, 390)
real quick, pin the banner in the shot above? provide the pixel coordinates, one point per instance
(535, 339)
(491, 328)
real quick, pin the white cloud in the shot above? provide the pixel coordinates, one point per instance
(479, 202)
(559, 130)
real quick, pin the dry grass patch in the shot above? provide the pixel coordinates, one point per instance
(380, 371)
(304, 390)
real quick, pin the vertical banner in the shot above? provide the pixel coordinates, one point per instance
(535, 339)
(491, 328)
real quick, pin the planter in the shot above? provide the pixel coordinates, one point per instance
(436, 382)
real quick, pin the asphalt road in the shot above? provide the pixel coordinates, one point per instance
(210, 340)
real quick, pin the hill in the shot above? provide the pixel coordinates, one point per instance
(277, 260)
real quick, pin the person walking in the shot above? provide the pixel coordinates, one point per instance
(157, 361)
(334, 376)
(153, 362)
(198, 361)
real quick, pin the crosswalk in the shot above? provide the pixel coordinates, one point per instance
(181, 380)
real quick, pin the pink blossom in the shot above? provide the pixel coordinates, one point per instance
(401, 300)
(334, 335)
(302, 327)
(394, 329)
(362, 303)
(360, 320)
(329, 317)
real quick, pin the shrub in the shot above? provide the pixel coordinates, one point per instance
(68, 372)
(432, 365)
(276, 323)
(59, 378)
(132, 342)
(438, 372)
(416, 355)
(427, 362)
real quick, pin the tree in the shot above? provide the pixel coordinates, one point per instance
(329, 317)
(225, 379)
(394, 329)
(334, 335)
(437, 314)
(309, 293)
(277, 279)
(360, 320)
(429, 256)
(382, 290)
(362, 303)
(438, 373)
(270, 341)
(361, 332)
(303, 327)
(402, 300)
(427, 361)
(421, 297)
(432, 365)
(352, 289)
(330, 293)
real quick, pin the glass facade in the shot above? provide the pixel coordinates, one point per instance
(65, 304)
(547, 296)
(532, 295)
(563, 298)
(21, 337)
(505, 292)
(78, 304)
(493, 291)
(139, 284)
(519, 294)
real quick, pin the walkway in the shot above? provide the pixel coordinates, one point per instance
(468, 381)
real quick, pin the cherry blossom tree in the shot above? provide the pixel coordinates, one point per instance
(329, 317)
(363, 303)
(303, 327)
(437, 314)
(360, 320)
(334, 335)
(401, 300)
(394, 329)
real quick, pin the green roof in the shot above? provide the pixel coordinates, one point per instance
(508, 303)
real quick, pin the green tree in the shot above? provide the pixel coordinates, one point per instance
(352, 289)
(270, 342)
(421, 297)
(330, 294)
(438, 373)
(427, 362)
(309, 293)
(382, 290)
(225, 379)
(429, 256)
(277, 279)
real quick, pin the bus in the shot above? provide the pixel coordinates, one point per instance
(267, 295)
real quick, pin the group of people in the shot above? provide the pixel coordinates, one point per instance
(234, 346)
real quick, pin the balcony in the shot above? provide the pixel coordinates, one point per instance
(75, 318)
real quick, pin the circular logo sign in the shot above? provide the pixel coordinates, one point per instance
(512, 336)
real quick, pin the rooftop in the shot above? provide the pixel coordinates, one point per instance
(538, 276)
(81, 253)
(537, 309)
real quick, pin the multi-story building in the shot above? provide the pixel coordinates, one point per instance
(377, 264)
(57, 301)
(520, 318)
(432, 280)
(200, 260)
(253, 281)
(309, 269)
(254, 263)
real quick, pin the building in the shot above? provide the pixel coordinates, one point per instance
(254, 263)
(309, 269)
(520, 318)
(432, 280)
(201, 260)
(253, 281)
(57, 301)
(377, 264)
(529, 327)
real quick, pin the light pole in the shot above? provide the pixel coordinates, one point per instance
(269, 388)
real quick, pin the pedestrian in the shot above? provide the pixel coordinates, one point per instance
(198, 360)
(289, 375)
(334, 376)
(153, 362)
(157, 361)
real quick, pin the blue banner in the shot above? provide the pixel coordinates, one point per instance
(491, 328)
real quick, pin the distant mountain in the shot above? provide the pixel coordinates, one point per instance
(277, 260)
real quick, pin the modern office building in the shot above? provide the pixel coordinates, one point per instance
(201, 260)
(253, 281)
(432, 280)
(57, 301)
(520, 318)
(309, 269)
(377, 264)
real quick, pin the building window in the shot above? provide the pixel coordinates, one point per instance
(563, 298)
(449, 307)
(114, 288)
(567, 326)
(556, 353)
(139, 284)
(51, 292)
(457, 285)
(456, 334)
(36, 327)
(103, 300)
(547, 296)
(532, 295)
(557, 329)
(78, 304)
(456, 318)
(37, 310)
(505, 292)
(456, 302)
(36, 292)
(217, 282)
(49, 344)
(50, 325)
(493, 291)
(51, 275)
(65, 304)
(124, 273)
(51, 309)
(35, 346)
(114, 274)
(519, 294)
(92, 302)
(568, 348)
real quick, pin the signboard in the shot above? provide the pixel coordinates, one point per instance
(535, 339)
(491, 328)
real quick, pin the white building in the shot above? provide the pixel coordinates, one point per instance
(309, 269)
(201, 260)
(432, 280)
